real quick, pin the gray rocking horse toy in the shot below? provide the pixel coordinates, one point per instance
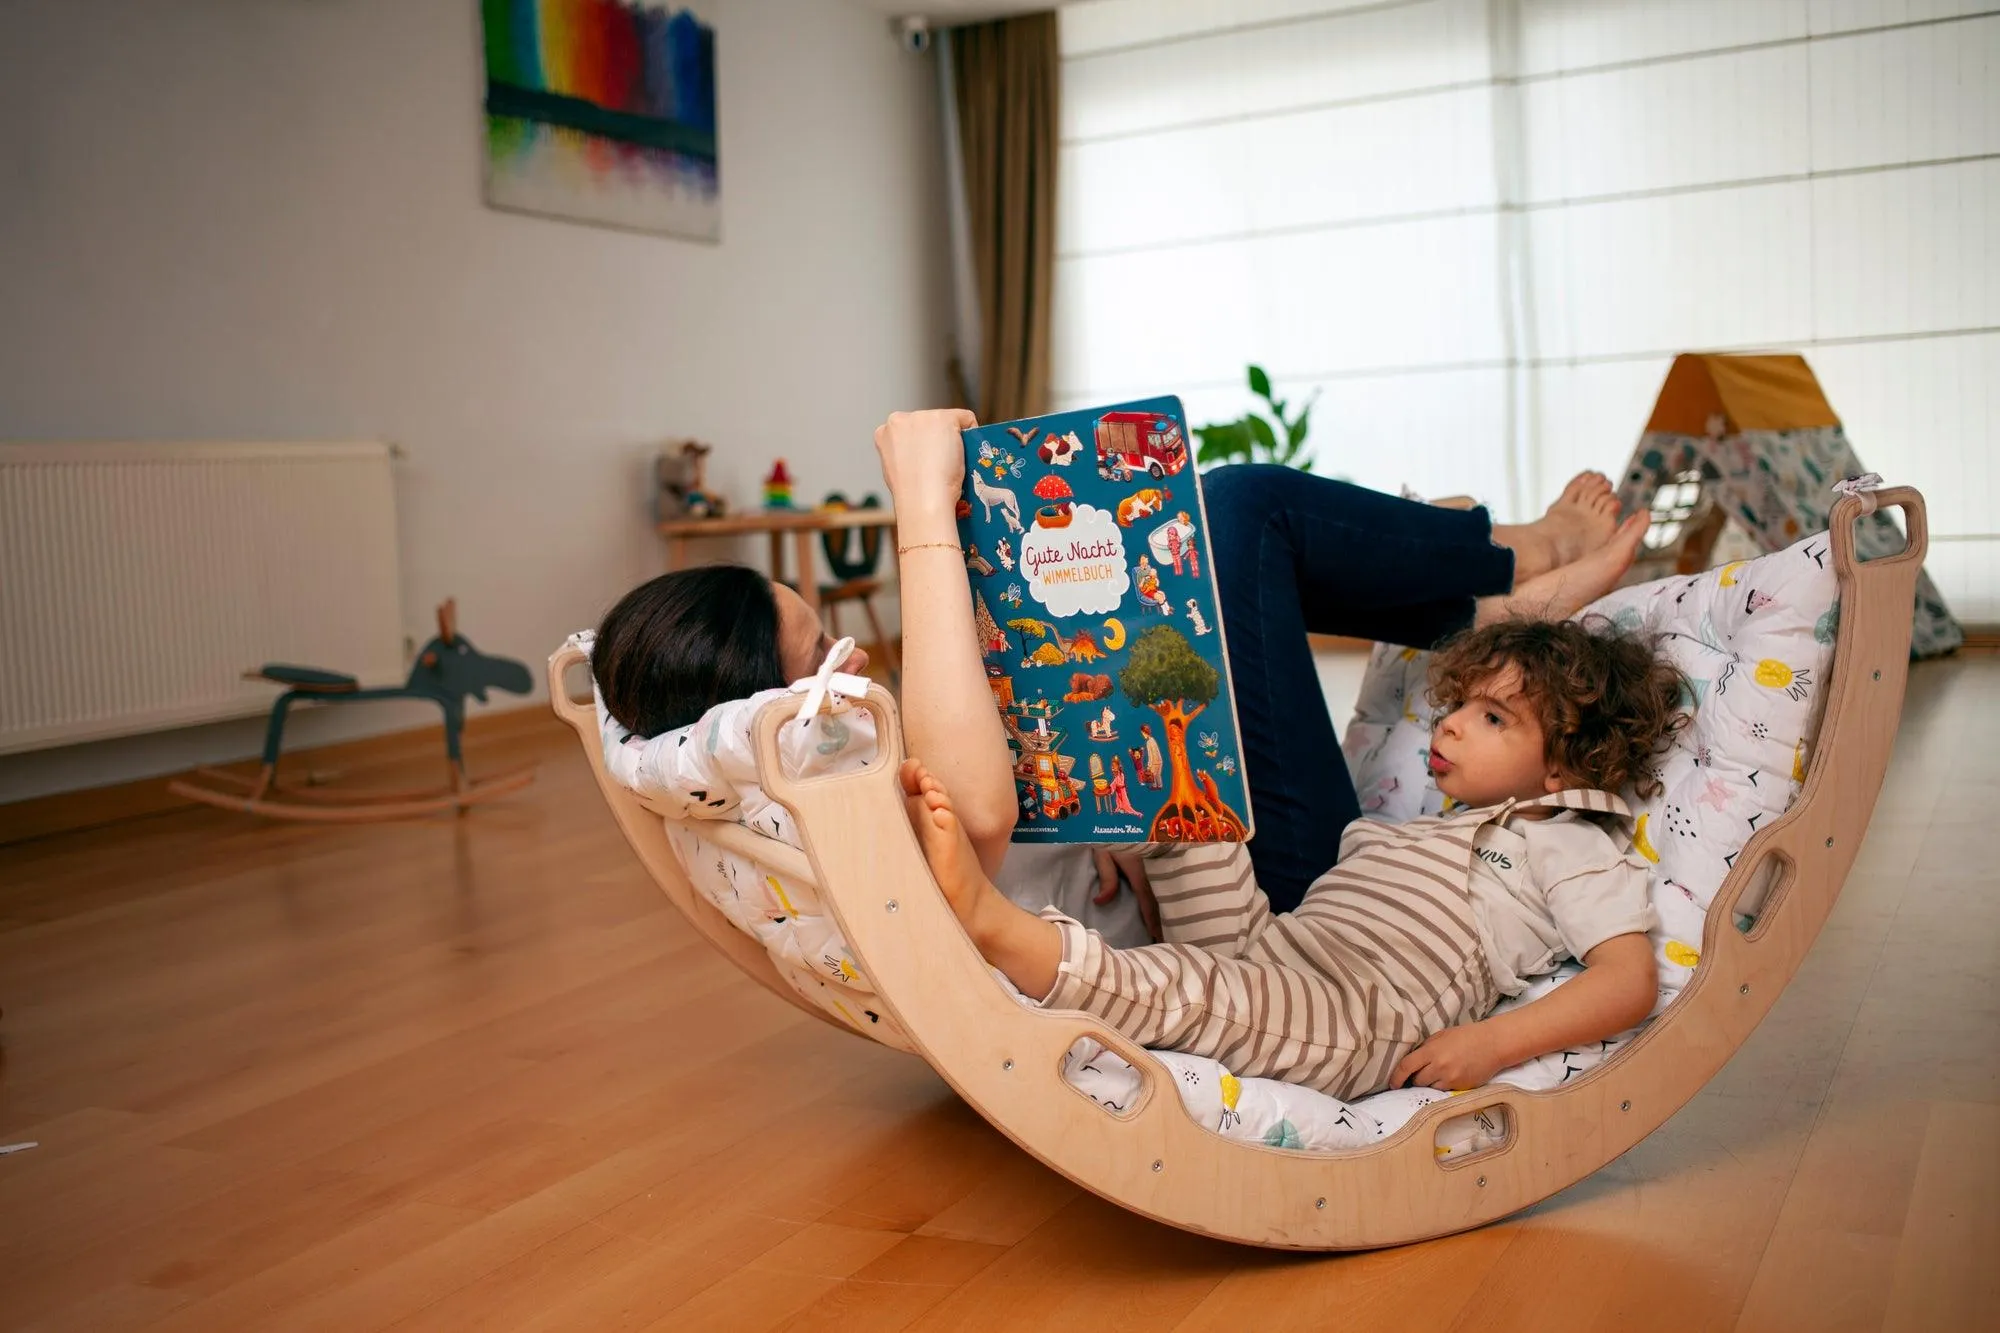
(447, 670)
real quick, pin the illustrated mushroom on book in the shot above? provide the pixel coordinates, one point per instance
(1057, 492)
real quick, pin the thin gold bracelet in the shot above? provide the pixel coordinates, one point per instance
(927, 546)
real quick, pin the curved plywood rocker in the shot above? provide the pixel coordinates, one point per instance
(1005, 1059)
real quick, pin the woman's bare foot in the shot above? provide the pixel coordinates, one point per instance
(953, 863)
(1561, 593)
(1580, 521)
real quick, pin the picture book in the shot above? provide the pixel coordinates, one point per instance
(1095, 604)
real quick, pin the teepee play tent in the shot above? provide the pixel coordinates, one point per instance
(1744, 451)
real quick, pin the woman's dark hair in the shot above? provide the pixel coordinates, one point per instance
(675, 647)
(1607, 701)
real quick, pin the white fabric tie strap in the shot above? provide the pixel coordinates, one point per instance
(1859, 487)
(829, 686)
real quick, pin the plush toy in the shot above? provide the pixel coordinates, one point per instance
(681, 489)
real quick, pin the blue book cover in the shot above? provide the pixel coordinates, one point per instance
(1087, 548)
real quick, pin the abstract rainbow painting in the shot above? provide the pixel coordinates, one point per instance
(602, 111)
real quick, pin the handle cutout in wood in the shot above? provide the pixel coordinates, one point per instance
(1850, 511)
(1763, 898)
(1474, 1136)
(780, 713)
(1146, 1071)
(565, 663)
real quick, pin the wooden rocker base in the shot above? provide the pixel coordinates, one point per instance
(1004, 1059)
(332, 805)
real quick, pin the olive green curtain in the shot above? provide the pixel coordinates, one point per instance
(1006, 79)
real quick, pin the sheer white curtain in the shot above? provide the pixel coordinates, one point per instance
(1308, 185)
(1484, 226)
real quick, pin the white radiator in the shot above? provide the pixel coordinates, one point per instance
(139, 581)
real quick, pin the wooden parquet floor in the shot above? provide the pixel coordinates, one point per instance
(476, 1075)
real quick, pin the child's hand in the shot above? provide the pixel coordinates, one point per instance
(1128, 864)
(923, 459)
(1455, 1059)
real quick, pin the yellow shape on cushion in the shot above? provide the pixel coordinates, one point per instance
(1773, 674)
(1640, 842)
(1729, 572)
(1799, 763)
(1680, 953)
(1409, 654)
(1231, 1090)
(778, 891)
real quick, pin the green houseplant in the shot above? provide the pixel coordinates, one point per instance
(1252, 438)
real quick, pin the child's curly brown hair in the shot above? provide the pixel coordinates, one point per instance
(1606, 700)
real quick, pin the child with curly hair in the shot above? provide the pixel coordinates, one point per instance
(1387, 972)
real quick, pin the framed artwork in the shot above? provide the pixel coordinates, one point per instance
(602, 111)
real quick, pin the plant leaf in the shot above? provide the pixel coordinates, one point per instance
(1297, 432)
(1261, 432)
(1222, 442)
(1260, 383)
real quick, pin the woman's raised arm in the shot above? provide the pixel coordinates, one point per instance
(948, 716)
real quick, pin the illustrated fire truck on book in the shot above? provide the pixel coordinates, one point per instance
(1096, 611)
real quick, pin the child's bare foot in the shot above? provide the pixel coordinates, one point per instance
(1561, 593)
(1027, 949)
(953, 862)
(1580, 521)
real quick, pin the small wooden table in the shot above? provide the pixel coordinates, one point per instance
(803, 525)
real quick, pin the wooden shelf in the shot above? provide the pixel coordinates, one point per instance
(778, 520)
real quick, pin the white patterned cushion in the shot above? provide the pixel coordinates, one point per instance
(1756, 640)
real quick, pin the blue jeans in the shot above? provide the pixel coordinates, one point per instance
(1297, 554)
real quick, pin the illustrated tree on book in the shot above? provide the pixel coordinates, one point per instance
(991, 638)
(1166, 675)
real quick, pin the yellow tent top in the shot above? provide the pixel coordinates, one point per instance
(1748, 392)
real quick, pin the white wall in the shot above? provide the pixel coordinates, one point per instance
(1485, 226)
(227, 220)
